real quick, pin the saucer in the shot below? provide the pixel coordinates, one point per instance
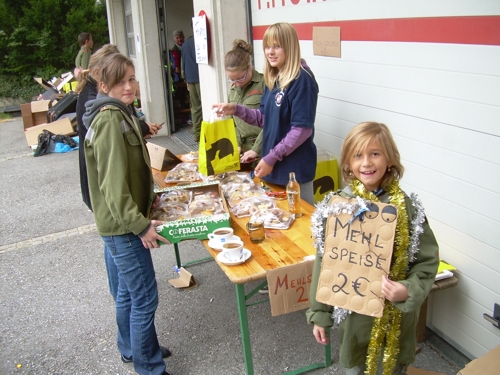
(244, 257)
(217, 245)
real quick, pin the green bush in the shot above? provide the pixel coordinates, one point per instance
(38, 38)
(12, 86)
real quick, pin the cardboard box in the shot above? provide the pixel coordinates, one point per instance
(35, 113)
(488, 364)
(46, 85)
(161, 158)
(198, 227)
(56, 83)
(416, 371)
(62, 126)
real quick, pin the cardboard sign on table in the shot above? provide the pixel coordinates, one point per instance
(356, 256)
(289, 287)
(185, 280)
(161, 158)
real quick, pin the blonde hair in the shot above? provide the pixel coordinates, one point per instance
(358, 139)
(238, 59)
(113, 69)
(284, 35)
(95, 65)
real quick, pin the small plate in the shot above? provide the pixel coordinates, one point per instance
(217, 245)
(244, 257)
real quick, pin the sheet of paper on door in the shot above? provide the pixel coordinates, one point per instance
(357, 253)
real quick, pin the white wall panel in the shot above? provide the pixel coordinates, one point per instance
(442, 103)
(329, 10)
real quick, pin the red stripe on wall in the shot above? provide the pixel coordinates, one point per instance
(458, 30)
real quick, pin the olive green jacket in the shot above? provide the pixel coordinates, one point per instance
(119, 171)
(83, 57)
(355, 330)
(249, 96)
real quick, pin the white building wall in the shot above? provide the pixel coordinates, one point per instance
(228, 21)
(147, 61)
(442, 103)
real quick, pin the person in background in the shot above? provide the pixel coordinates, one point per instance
(83, 57)
(287, 112)
(247, 86)
(87, 90)
(192, 78)
(122, 194)
(371, 168)
(175, 54)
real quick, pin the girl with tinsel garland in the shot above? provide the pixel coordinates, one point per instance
(371, 168)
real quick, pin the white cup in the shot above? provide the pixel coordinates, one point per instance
(221, 234)
(232, 250)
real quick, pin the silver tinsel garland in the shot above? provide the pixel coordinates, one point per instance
(323, 210)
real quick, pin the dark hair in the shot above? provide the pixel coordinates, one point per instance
(83, 37)
(95, 65)
(113, 69)
(238, 59)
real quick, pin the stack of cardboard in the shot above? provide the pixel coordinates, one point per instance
(35, 113)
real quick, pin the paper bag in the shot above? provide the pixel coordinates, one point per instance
(327, 176)
(218, 151)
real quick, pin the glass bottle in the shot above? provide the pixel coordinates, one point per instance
(293, 195)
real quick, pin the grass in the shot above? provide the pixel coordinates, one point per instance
(5, 116)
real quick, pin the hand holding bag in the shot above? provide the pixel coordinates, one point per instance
(218, 151)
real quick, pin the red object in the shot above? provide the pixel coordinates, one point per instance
(455, 30)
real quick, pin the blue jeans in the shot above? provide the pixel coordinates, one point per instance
(136, 297)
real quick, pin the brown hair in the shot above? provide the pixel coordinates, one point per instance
(95, 65)
(284, 35)
(238, 59)
(83, 37)
(113, 69)
(358, 139)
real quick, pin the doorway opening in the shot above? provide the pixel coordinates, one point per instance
(174, 17)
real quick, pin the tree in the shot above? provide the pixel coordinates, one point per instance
(39, 37)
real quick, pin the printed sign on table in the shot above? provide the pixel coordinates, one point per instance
(356, 256)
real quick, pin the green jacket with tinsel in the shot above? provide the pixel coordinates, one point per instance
(355, 330)
(249, 96)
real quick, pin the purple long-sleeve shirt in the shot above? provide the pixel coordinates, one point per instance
(294, 138)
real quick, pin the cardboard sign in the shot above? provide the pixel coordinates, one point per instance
(289, 287)
(161, 158)
(185, 280)
(326, 41)
(356, 256)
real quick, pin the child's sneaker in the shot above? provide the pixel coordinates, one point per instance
(264, 290)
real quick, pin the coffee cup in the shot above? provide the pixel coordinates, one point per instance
(232, 250)
(221, 234)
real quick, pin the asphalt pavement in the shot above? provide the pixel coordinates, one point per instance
(57, 316)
